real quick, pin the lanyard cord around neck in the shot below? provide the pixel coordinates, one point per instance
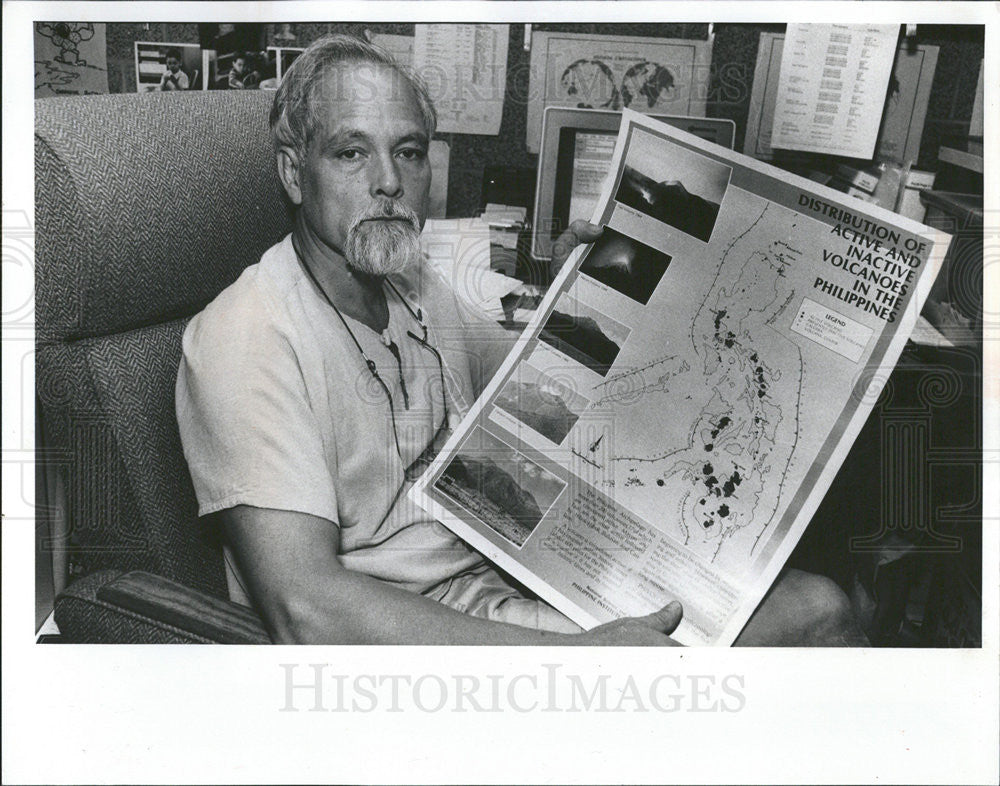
(368, 361)
(418, 315)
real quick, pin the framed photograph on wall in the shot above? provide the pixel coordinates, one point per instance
(240, 62)
(166, 67)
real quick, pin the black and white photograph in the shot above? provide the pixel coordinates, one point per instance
(500, 486)
(243, 70)
(584, 334)
(239, 58)
(238, 393)
(625, 265)
(544, 404)
(684, 189)
(167, 67)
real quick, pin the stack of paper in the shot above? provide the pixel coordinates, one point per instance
(459, 249)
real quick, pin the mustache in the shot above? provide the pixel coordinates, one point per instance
(383, 211)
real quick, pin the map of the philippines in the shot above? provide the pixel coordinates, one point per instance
(722, 485)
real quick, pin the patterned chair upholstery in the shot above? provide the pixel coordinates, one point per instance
(146, 207)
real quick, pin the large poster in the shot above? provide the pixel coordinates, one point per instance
(658, 76)
(673, 416)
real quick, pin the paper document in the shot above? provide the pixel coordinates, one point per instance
(459, 250)
(661, 76)
(671, 418)
(465, 68)
(832, 88)
(504, 215)
(399, 46)
(905, 110)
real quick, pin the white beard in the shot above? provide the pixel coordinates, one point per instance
(379, 247)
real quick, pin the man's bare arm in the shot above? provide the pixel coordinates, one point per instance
(307, 596)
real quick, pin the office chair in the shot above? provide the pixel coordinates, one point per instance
(146, 207)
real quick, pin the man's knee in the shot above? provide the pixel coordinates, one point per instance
(803, 610)
(825, 617)
(819, 597)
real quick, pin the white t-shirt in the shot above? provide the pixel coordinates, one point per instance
(277, 409)
(180, 77)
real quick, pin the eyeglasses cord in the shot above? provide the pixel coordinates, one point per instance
(417, 316)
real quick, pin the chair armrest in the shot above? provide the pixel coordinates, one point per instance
(137, 607)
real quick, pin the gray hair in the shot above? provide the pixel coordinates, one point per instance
(294, 114)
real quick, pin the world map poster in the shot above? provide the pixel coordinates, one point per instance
(657, 76)
(670, 420)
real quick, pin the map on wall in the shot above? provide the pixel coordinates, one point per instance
(649, 75)
(70, 59)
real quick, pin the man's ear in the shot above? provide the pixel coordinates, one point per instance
(289, 172)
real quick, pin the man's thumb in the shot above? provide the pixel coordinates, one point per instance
(666, 619)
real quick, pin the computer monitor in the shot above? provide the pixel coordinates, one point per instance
(574, 158)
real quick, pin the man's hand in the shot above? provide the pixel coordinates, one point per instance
(579, 232)
(653, 630)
